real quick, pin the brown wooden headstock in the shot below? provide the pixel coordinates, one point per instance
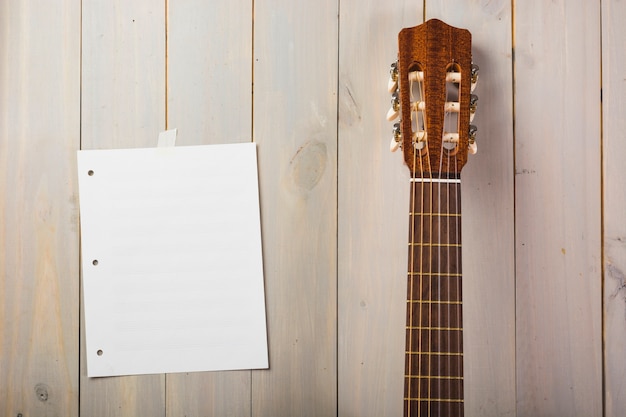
(431, 85)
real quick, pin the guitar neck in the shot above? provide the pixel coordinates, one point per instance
(434, 336)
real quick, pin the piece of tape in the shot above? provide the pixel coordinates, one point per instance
(167, 139)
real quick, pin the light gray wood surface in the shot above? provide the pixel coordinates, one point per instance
(123, 106)
(488, 212)
(294, 123)
(558, 201)
(306, 81)
(373, 213)
(209, 85)
(614, 204)
(39, 135)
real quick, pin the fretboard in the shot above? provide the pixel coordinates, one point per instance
(434, 327)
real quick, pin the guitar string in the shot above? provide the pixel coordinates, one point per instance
(450, 194)
(459, 266)
(452, 162)
(455, 194)
(411, 324)
(418, 152)
(429, 209)
(459, 281)
(441, 187)
(451, 159)
(418, 167)
(447, 190)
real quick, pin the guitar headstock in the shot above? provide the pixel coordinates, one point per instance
(431, 86)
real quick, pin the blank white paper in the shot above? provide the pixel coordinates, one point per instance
(171, 260)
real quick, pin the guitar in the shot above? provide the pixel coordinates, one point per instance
(431, 86)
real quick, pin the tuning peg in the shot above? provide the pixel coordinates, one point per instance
(392, 85)
(473, 146)
(395, 107)
(474, 76)
(396, 138)
(473, 104)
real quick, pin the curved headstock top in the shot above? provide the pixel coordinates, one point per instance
(431, 85)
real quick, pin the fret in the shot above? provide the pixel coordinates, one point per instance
(435, 353)
(432, 385)
(435, 274)
(429, 408)
(422, 336)
(440, 230)
(446, 302)
(433, 377)
(444, 380)
(440, 400)
(434, 230)
(434, 340)
(435, 214)
(441, 288)
(445, 386)
(450, 329)
(434, 325)
(432, 261)
(429, 244)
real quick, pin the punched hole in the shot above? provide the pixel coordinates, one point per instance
(95, 262)
(90, 173)
(99, 352)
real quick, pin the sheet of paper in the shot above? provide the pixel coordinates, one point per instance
(171, 260)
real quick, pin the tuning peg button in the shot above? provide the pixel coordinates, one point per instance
(392, 85)
(474, 72)
(392, 114)
(394, 145)
(474, 77)
(396, 140)
(395, 107)
(473, 105)
(473, 102)
(472, 147)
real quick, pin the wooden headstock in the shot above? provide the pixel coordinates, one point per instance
(432, 83)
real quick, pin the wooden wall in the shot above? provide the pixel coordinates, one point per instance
(543, 201)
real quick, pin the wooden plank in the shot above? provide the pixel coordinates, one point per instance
(364, 310)
(209, 101)
(488, 213)
(123, 106)
(373, 213)
(614, 204)
(294, 122)
(39, 135)
(557, 136)
(209, 71)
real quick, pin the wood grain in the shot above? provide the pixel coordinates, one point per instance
(307, 81)
(294, 122)
(123, 106)
(433, 381)
(614, 204)
(488, 212)
(39, 135)
(209, 101)
(433, 47)
(373, 201)
(557, 152)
